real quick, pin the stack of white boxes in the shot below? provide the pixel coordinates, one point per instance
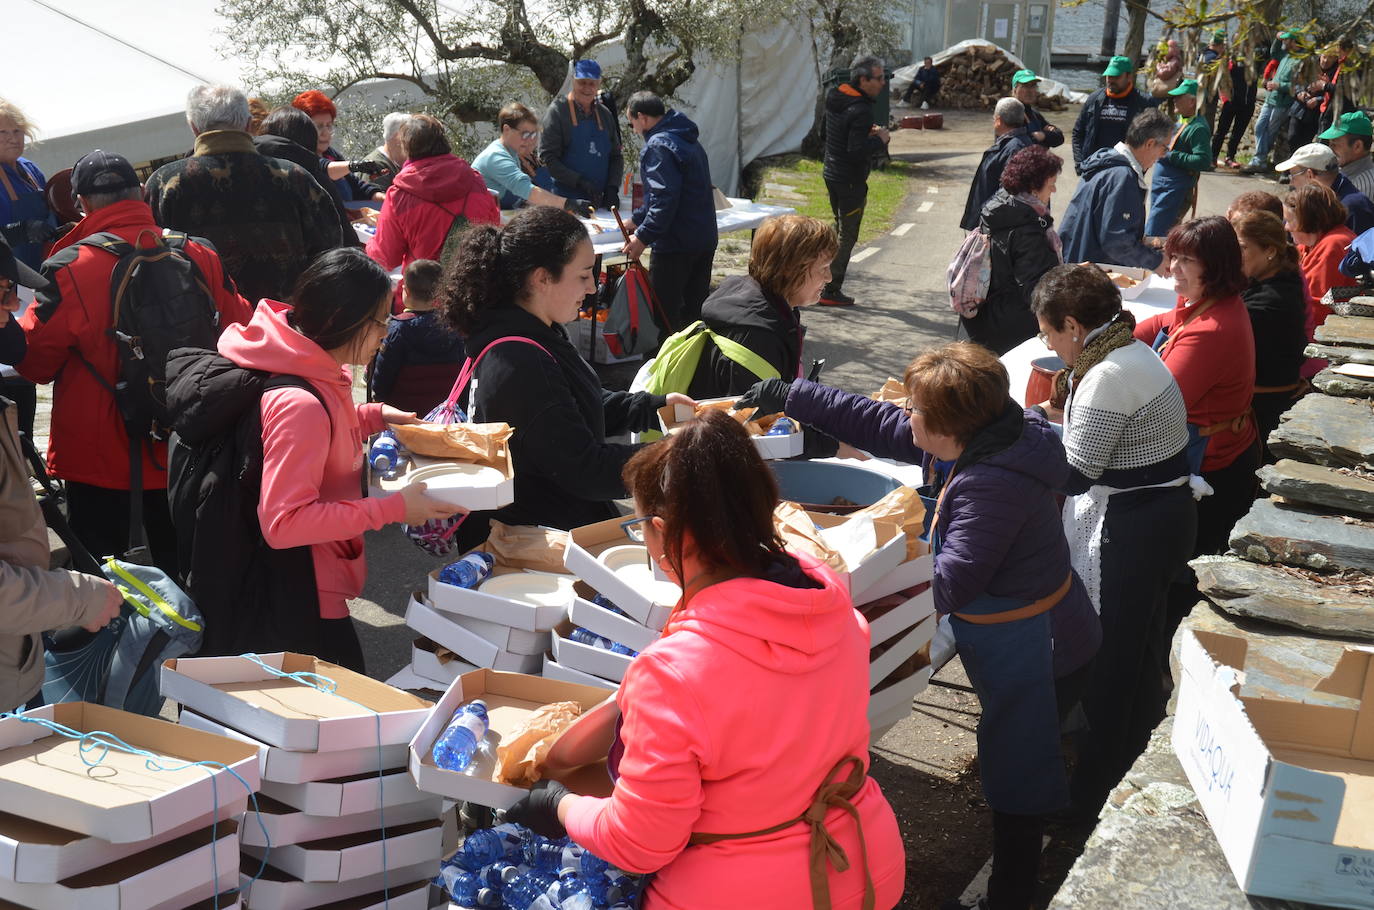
(900, 608)
(136, 833)
(341, 819)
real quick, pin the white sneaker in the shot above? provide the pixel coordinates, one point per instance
(925, 105)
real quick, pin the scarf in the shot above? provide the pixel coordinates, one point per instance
(1118, 333)
(1043, 211)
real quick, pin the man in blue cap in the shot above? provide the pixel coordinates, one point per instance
(580, 142)
(1107, 113)
(1276, 104)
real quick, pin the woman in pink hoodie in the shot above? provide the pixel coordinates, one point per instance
(312, 453)
(752, 703)
(434, 188)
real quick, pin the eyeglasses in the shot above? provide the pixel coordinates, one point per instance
(634, 528)
(1044, 338)
(529, 134)
(909, 411)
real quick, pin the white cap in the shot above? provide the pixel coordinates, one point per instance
(1314, 155)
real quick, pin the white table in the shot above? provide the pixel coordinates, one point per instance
(742, 215)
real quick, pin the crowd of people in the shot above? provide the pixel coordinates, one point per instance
(243, 479)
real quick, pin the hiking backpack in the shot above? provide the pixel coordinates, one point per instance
(673, 369)
(970, 274)
(158, 301)
(630, 326)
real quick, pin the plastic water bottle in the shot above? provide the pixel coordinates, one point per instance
(513, 837)
(588, 637)
(498, 873)
(544, 855)
(569, 884)
(470, 571)
(605, 603)
(454, 750)
(524, 893)
(461, 886)
(781, 427)
(577, 901)
(593, 866)
(385, 454)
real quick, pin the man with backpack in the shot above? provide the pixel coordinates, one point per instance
(120, 296)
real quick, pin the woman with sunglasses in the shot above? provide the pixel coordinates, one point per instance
(743, 730)
(505, 165)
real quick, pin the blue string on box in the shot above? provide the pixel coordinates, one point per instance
(328, 686)
(101, 743)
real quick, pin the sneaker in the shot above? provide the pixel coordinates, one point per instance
(1232, 163)
(925, 105)
(1255, 167)
(836, 298)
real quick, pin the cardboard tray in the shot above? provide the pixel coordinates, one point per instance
(290, 715)
(1287, 787)
(896, 620)
(170, 875)
(408, 886)
(878, 563)
(892, 703)
(287, 767)
(585, 544)
(364, 853)
(347, 795)
(906, 575)
(442, 628)
(288, 825)
(672, 416)
(610, 625)
(510, 698)
(554, 670)
(474, 499)
(506, 638)
(901, 649)
(43, 775)
(425, 660)
(491, 608)
(588, 658)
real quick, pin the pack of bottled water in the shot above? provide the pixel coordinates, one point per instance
(509, 866)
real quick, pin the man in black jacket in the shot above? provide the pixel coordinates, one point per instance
(1025, 87)
(851, 139)
(1009, 128)
(1108, 112)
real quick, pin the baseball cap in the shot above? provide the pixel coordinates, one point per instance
(1355, 123)
(102, 172)
(1119, 66)
(17, 271)
(586, 69)
(1285, 35)
(1021, 77)
(1314, 155)
(1219, 36)
(1186, 87)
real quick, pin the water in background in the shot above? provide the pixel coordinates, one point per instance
(1078, 27)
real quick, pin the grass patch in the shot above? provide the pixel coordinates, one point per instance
(886, 190)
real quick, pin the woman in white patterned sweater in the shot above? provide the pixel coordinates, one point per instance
(1130, 517)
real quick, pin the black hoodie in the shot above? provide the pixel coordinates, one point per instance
(1278, 315)
(741, 310)
(1019, 254)
(285, 149)
(566, 473)
(849, 141)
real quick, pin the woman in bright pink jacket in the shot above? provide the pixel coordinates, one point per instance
(754, 699)
(434, 188)
(312, 444)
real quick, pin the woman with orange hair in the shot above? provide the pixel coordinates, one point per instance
(343, 172)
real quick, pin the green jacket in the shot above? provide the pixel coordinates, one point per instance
(1284, 76)
(1192, 149)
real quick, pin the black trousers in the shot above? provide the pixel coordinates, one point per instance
(1234, 118)
(847, 202)
(681, 282)
(24, 394)
(99, 518)
(921, 94)
(1016, 839)
(339, 644)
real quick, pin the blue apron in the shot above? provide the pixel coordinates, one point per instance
(588, 151)
(27, 202)
(1011, 667)
(1171, 192)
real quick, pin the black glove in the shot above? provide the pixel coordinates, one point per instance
(587, 190)
(610, 200)
(371, 168)
(582, 208)
(768, 395)
(538, 810)
(28, 232)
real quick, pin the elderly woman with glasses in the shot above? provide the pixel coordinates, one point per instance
(508, 165)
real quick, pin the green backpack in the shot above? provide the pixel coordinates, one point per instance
(672, 370)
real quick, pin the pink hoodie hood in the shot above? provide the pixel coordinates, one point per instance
(269, 343)
(442, 178)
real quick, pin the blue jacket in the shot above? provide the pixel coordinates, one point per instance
(418, 362)
(1359, 209)
(1000, 522)
(679, 210)
(1105, 220)
(987, 180)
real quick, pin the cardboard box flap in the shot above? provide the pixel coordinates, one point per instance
(1351, 676)
(139, 863)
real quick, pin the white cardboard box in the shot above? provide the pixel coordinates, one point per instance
(672, 416)
(901, 649)
(409, 887)
(506, 638)
(347, 795)
(588, 658)
(510, 698)
(1287, 787)
(898, 619)
(897, 697)
(288, 825)
(287, 767)
(906, 575)
(610, 625)
(442, 628)
(289, 714)
(879, 562)
(554, 670)
(502, 611)
(475, 498)
(363, 853)
(44, 775)
(173, 874)
(588, 542)
(425, 660)
(408, 680)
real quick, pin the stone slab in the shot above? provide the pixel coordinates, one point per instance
(1278, 595)
(1337, 432)
(1330, 382)
(1293, 535)
(1345, 331)
(1298, 481)
(1356, 306)
(1340, 353)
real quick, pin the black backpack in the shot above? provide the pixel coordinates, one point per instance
(159, 301)
(253, 597)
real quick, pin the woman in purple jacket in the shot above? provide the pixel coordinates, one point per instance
(1024, 626)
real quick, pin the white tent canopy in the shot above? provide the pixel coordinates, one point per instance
(133, 64)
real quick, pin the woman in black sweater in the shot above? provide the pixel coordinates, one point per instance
(1277, 302)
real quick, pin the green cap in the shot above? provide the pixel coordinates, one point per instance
(1021, 77)
(1219, 35)
(1285, 35)
(1186, 87)
(1119, 66)
(1355, 123)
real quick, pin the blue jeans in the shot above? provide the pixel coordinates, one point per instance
(1171, 189)
(1271, 120)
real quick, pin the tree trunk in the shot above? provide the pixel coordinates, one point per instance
(1135, 27)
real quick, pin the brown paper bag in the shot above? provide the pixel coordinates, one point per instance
(520, 754)
(477, 443)
(799, 534)
(892, 392)
(528, 547)
(904, 507)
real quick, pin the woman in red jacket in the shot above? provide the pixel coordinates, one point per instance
(744, 733)
(1208, 345)
(432, 192)
(1315, 217)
